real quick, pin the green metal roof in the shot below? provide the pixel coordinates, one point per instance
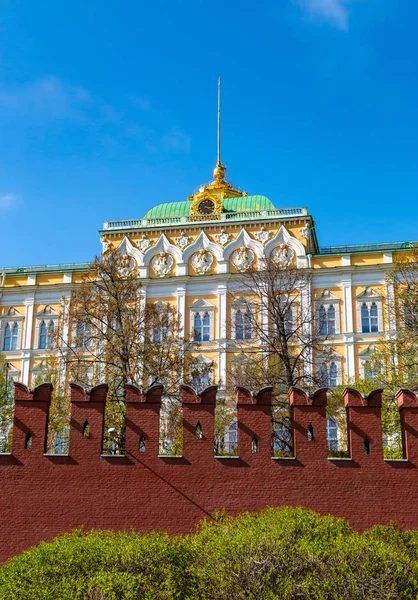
(182, 209)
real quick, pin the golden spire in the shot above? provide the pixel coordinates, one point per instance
(219, 188)
(219, 172)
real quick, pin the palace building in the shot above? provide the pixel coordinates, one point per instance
(187, 253)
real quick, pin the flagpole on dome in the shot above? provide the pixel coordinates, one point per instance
(219, 171)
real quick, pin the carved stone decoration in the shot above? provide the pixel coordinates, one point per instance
(144, 243)
(304, 232)
(283, 256)
(202, 261)
(162, 264)
(105, 245)
(183, 240)
(243, 258)
(263, 236)
(127, 265)
(223, 237)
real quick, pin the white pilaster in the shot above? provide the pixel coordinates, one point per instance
(181, 309)
(27, 339)
(349, 329)
(222, 316)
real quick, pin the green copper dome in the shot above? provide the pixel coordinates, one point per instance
(231, 205)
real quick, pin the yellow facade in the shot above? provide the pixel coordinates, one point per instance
(190, 259)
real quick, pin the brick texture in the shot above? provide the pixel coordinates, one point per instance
(44, 496)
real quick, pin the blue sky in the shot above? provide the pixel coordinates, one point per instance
(108, 108)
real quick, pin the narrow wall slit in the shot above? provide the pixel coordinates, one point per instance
(86, 428)
(142, 443)
(199, 431)
(366, 446)
(254, 444)
(28, 441)
(310, 433)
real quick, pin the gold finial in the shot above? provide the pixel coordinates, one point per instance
(219, 172)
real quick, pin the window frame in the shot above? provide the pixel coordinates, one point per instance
(202, 307)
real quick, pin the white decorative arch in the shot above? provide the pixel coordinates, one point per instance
(202, 242)
(127, 248)
(162, 245)
(243, 240)
(284, 237)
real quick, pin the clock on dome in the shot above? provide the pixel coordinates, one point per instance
(206, 207)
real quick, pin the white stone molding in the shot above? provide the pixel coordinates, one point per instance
(284, 238)
(346, 260)
(369, 297)
(263, 235)
(13, 316)
(126, 248)
(283, 256)
(327, 299)
(201, 307)
(242, 304)
(163, 246)
(183, 240)
(162, 264)
(202, 242)
(47, 315)
(202, 261)
(223, 238)
(144, 243)
(243, 258)
(243, 240)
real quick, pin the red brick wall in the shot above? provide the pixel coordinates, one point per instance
(43, 496)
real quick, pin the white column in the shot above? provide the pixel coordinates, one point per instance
(349, 329)
(181, 309)
(27, 339)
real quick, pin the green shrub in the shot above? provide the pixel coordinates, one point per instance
(277, 554)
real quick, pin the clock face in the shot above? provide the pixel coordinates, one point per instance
(206, 207)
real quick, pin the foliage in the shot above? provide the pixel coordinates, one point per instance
(276, 303)
(6, 405)
(59, 413)
(110, 333)
(277, 554)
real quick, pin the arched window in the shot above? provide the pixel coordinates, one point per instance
(373, 318)
(333, 375)
(51, 335)
(42, 336)
(15, 334)
(333, 437)
(326, 320)
(239, 325)
(328, 374)
(197, 328)
(369, 318)
(323, 375)
(331, 320)
(7, 342)
(323, 329)
(243, 327)
(201, 327)
(83, 335)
